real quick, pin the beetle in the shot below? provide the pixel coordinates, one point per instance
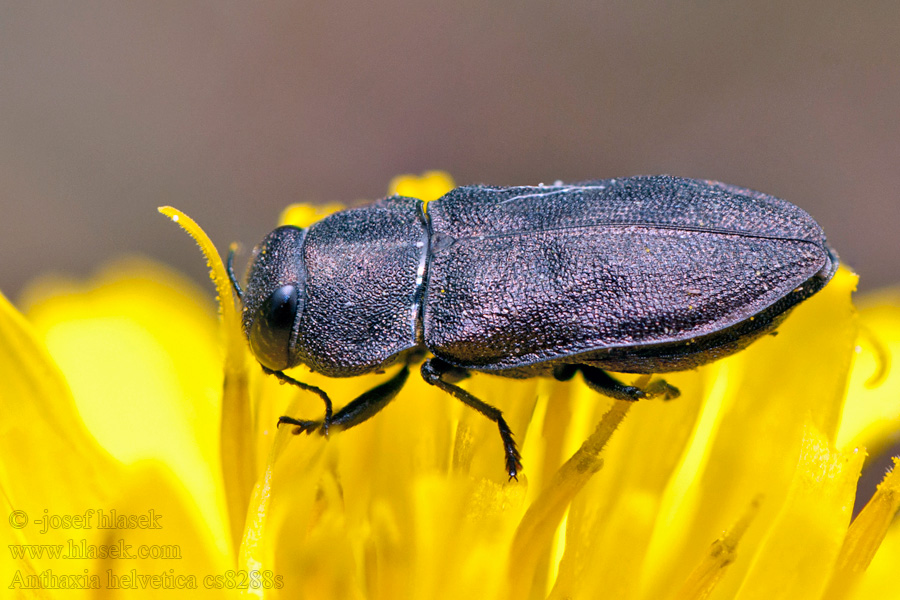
(647, 274)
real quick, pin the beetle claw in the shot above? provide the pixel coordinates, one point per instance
(661, 389)
(300, 426)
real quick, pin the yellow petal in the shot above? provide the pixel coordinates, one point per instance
(865, 536)
(167, 548)
(237, 443)
(613, 521)
(44, 448)
(540, 522)
(752, 444)
(880, 579)
(141, 355)
(702, 581)
(796, 556)
(256, 549)
(872, 412)
(431, 185)
(304, 215)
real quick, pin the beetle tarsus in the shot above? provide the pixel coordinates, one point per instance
(661, 389)
(603, 383)
(432, 372)
(513, 457)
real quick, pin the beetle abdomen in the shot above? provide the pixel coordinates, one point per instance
(520, 276)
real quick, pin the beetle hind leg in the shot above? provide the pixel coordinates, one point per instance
(433, 371)
(603, 383)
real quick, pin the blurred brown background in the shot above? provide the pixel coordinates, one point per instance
(231, 110)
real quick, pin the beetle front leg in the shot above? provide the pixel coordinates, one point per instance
(326, 422)
(302, 426)
(432, 371)
(602, 382)
(358, 410)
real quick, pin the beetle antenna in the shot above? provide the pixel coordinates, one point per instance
(229, 267)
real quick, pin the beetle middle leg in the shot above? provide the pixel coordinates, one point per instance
(602, 382)
(433, 371)
(358, 410)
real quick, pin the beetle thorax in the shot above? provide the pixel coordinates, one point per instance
(364, 271)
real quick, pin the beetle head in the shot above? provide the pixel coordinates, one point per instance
(275, 298)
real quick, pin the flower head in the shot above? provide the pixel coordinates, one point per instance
(123, 396)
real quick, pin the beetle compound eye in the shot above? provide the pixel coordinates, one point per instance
(270, 334)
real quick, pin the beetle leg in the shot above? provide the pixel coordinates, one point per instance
(564, 372)
(432, 371)
(301, 426)
(359, 409)
(371, 402)
(326, 422)
(661, 388)
(602, 382)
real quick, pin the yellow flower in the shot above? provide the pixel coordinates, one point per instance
(115, 398)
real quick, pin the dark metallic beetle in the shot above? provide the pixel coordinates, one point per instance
(636, 275)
